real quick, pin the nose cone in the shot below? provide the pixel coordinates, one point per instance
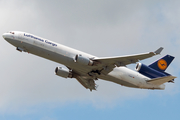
(5, 35)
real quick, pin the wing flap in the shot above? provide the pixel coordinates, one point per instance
(161, 80)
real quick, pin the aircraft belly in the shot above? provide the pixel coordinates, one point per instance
(42, 52)
(122, 76)
(51, 55)
(118, 81)
(13, 42)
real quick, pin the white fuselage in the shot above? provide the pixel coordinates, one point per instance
(66, 56)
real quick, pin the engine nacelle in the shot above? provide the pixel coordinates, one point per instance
(83, 60)
(63, 72)
(138, 66)
(148, 71)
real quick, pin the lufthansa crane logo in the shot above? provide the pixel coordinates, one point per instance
(162, 64)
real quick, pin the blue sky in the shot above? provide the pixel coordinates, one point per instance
(151, 107)
(29, 88)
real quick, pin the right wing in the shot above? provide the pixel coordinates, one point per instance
(107, 64)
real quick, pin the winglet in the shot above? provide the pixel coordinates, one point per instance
(158, 51)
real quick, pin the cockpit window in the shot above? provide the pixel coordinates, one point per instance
(11, 32)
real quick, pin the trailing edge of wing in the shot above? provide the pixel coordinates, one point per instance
(161, 80)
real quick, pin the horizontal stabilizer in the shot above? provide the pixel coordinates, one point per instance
(161, 80)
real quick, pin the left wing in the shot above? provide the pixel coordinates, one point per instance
(88, 83)
(108, 63)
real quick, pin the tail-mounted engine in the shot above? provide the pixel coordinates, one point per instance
(148, 71)
(62, 72)
(83, 60)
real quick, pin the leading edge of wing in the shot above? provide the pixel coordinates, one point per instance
(128, 59)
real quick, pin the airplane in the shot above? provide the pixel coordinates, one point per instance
(87, 68)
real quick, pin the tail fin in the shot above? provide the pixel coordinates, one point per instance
(162, 64)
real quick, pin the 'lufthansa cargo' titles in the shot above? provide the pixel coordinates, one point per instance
(36, 38)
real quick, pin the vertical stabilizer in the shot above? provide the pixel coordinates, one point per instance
(162, 64)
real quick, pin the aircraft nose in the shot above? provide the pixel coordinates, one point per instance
(5, 35)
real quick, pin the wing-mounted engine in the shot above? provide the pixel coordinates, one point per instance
(62, 72)
(87, 82)
(148, 71)
(83, 60)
